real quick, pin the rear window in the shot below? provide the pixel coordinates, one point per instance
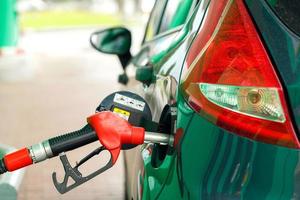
(289, 13)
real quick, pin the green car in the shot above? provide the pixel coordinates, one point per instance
(223, 77)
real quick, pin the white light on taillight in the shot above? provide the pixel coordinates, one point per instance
(257, 102)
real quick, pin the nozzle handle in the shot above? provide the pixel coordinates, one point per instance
(73, 140)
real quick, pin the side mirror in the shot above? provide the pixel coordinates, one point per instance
(112, 40)
(116, 41)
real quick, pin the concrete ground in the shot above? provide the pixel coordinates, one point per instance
(51, 90)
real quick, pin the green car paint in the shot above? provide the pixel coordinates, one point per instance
(156, 50)
(216, 164)
(209, 162)
(156, 178)
(232, 167)
(225, 166)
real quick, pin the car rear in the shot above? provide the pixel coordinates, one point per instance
(241, 83)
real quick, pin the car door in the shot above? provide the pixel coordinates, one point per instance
(164, 33)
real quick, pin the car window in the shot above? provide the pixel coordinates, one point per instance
(167, 14)
(155, 19)
(175, 14)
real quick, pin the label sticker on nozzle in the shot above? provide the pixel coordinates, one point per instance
(129, 102)
(122, 113)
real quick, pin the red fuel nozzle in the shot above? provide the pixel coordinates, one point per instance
(113, 131)
(110, 129)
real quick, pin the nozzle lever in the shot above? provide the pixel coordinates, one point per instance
(75, 174)
(90, 155)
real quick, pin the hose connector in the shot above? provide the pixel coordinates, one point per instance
(40, 152)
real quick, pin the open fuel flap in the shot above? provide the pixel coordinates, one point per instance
(167, 125)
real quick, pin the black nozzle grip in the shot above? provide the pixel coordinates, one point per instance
(72, 140)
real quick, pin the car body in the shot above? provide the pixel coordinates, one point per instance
(222, 150)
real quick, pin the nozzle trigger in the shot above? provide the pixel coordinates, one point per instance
(75, 174)
(89, 156)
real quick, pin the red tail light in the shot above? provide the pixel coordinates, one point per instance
(230, 80)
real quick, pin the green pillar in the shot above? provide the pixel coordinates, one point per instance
(8, 23)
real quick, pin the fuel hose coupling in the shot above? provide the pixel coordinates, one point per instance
(26, 156)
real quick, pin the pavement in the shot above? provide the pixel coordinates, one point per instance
(51, 89)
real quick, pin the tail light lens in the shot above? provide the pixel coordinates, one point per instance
(230, 79)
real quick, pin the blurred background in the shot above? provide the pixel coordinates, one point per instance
(51, 80)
